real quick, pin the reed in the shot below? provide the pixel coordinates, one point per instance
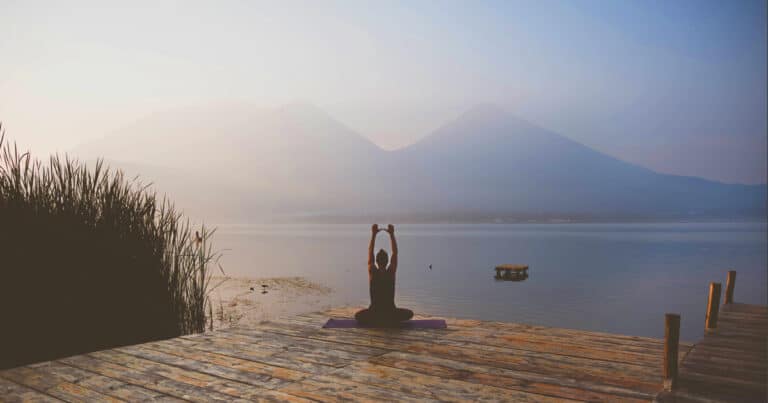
(90, 259)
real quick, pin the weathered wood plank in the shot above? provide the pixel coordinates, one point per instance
(566, 346)
(233, 369)
(212, 385)
(334, 389)
(706, 363)
(532, 342)
(624, 375)
(303, 328)
(71, 392)
(12, 392)
(744, 359)
(743, 323)
(702, 392)
(740, 328)
(760, 341)
(433, 387)
(224, 343)
(735, 372)
(224, 358)
(713, 392)
(746, 308)
(255, 335)
(744, 326)
(265, 344)
(730, 364)
(156, 368)
(562, 387)
(743, 356)
(730, 367)
(569, 346)
(751, 341)
(748, 316)
(515, 331)
(121, 390)
(283, 361)
(56, 385)
(192, 390)
(310, 362)
(720, 379)
(402, 339)
(522, 327)
(49, 375)
(294, 359)
(36, 379)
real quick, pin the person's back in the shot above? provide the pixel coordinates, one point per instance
(382, 289)
(381, 279)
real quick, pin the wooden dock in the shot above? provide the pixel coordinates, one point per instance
(730, 363)
(511, 272)
(294, 359)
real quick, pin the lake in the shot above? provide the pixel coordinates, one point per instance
(619, 278)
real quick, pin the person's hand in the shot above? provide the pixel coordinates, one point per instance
(375, 229)
(391, 229)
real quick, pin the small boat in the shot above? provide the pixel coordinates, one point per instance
(513, 272)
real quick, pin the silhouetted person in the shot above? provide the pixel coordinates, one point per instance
(381, 281)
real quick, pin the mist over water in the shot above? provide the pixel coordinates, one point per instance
(618, 278)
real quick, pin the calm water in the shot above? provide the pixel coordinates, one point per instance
(618, 278)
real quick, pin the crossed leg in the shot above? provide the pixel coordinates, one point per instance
(383, 317)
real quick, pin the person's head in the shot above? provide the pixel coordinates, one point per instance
(382, 259)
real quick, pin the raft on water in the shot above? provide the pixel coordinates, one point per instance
(511, 272)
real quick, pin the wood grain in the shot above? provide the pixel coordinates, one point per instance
(730, 364)
(295, 359)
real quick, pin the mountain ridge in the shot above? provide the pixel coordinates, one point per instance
(299, 159)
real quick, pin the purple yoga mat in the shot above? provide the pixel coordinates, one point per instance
(409, 324)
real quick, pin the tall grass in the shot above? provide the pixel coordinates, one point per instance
(90, 259)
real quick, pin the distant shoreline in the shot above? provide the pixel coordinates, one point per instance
(327, 220)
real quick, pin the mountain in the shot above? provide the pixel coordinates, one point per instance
(248, 162)
(492, 161)
(279, 160)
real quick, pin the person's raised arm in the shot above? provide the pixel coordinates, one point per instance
(393, 260)
(374, 231)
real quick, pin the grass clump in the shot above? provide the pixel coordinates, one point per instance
(90, 259)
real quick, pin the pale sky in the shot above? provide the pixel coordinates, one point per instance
(677, 86)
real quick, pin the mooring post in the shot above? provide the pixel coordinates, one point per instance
(671, 345)
(729, 284)
(713, 306)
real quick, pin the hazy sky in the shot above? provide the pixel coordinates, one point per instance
(678, 86)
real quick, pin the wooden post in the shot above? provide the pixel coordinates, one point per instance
(671, 345)
(729, 284)
(713, 306)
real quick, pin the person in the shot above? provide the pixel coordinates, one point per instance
(381, 282)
